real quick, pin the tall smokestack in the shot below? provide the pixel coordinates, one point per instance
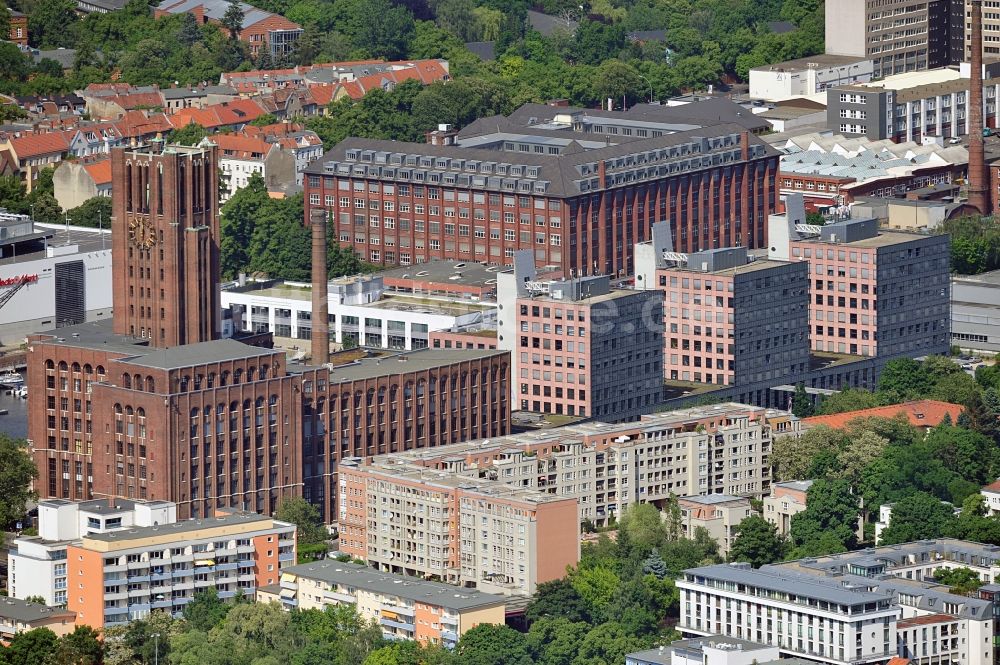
(320, 301)
(978, 191)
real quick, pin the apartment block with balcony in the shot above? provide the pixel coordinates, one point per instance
(459, 530)
(404, 608)
(719, 449)
(120, 576)
(37, 565)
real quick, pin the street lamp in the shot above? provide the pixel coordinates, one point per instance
(156, 648)
(650, 87)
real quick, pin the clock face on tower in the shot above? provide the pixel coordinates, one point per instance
(141, 233)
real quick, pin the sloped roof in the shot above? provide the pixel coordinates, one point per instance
(216, 9)
(100, 172)
(138, 123)
(920, 413)
(241, 147)
(33, 145)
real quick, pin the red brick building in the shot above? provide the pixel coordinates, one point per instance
(156, 406)
(259, 28)
(18, 28)
(577, 200)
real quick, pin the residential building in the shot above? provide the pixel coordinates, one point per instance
(18, 27)
(31, 152)
(875, 293)
(722, 449)
(232, 115)
(711, 650)
(883, 600)
(923, 414)
(304, 145)
(213, 423)
(991, 494)
(835, 170)
(805, 77)
(850, 624)
(51, 276)
(98, 6)
(464, 531)
(911, 107)
(241, 157)
(718, 514)
(20, 616)
(362, 312)
(76, 182)
(121, 576)
(787, 499)
(579, 348)
(975, 311)
(893, 34)
(259, 29)
(200, 96)
(578, 188)
(404, 608)
(730, 317)
(38, 565)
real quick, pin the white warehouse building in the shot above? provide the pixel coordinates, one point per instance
(362, 311)
(51, 276)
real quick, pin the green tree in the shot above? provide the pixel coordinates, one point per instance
(802, 405)
(382, 29)
(793, 456)
(311, 533)
(557, 598)
(38, 600)
(615, 80)
(488, 644)
(963, 581)
(190, 134)
(904, 378)
(608, 643)
(81, 647)
(655, 565)
(829, 520)
(849, 399)
(16, 474)
(555, 640)
(30, 648)
(596, 586)
(757, 542)
(52, 24)
(232, 20)
(93, 213)
(916, 517)
(643, 524)
(206, 610)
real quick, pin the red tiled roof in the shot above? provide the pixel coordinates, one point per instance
(993, 487)
(137, 123)
(100, 172)
(323, 94)
(137, 100)
(920, 413)
(898, 660)
(242, 147)
(235, 112)
(33, 145)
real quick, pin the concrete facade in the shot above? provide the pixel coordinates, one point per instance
(786, 500)
(806, 77)
(893, 34)
(718, 514)
(975, 312)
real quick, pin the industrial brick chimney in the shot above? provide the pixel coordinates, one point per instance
(978, 181)
(320, 300)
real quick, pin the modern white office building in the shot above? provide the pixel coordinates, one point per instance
(362, 311)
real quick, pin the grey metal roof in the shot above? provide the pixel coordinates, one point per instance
(184, 527)
(24, 612)
(445, 272)
(801, 485)
(216, 9)
(411, 588)
(411, 361)
(713, 499)
(188, 355)
(772, 578)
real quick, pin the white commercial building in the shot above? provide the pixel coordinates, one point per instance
(37, 564)
(51, 276)
(806, 77)
(362, 310)
(857, 607)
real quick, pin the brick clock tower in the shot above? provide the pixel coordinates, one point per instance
(166, 244)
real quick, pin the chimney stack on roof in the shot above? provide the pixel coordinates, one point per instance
(320, 302)
(978, 189)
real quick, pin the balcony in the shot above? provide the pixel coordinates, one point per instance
(449, 635)
(226, 566)
(163, 603)
(396, 624)
(289, 556)
(397, 609)
(339, 597)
